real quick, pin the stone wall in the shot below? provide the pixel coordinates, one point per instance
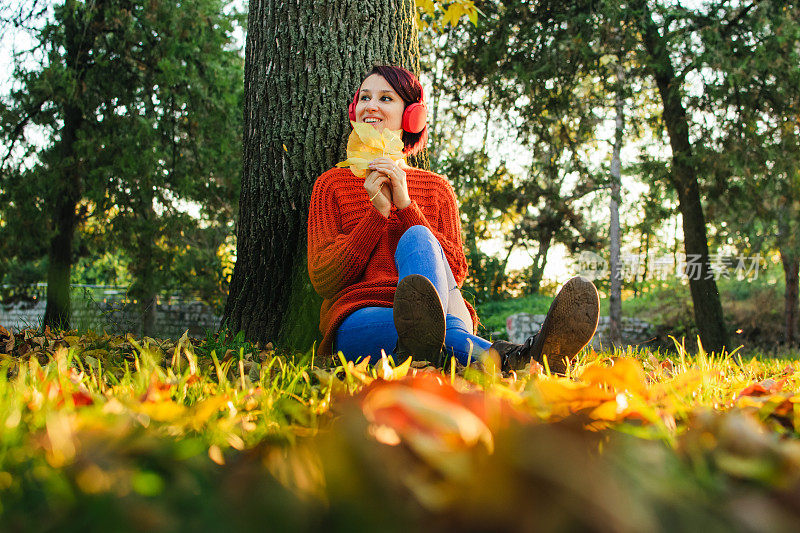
(634, 331)
(114, 313)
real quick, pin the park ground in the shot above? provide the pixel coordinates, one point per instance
(118, 432)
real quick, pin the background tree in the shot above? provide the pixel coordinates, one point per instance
(753, 143)
(139, 106)
(546, 47)
(656, 58)
(532, 84)
(614, 230)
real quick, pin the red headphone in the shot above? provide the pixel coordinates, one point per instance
(415, 115)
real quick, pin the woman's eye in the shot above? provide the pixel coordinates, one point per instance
(387, 98)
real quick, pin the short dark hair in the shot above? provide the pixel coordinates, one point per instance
(409, 89)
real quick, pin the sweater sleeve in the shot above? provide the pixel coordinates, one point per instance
(337, 259)
(448, 232)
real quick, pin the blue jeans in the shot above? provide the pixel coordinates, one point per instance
(367, 331)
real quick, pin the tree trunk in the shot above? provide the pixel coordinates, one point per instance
(59, 266)
(646, 256)
(67, 189)
(144, 272)
(301, 71)
(705, 296)
(615, 293)
(537, 269)
(500, 275)
(791, 275)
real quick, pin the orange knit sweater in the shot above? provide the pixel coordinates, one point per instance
(351, 245)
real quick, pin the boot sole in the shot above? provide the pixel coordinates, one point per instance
(418, 318)
(569, 326)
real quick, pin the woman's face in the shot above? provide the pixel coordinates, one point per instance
(379, 105)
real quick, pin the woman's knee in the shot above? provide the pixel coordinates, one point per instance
(415, 237)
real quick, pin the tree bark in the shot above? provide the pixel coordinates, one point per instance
(500, 275)
(705, 296)
(615, 292)
(537, 268)
(144, 271)
(791, 276)
(301, 71)
(67, 190)
(59, 266)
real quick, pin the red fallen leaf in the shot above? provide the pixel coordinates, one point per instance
(762, 388)
(784, 408)
(157, 390)
(81, 398)
(427, 413)
(424, 418)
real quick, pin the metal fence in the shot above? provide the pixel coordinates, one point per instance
(110, 309)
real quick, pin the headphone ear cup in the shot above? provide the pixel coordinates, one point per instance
(351, 109)
(415, 117)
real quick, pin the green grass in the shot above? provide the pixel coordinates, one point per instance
(119, 433)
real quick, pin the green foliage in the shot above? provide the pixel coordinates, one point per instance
(493, 313)
(143, 128)
(223, 342)
(542, 77)
(543, 73)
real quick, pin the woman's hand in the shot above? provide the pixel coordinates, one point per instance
(379, 189)
(397, 177)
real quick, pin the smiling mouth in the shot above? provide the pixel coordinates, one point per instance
(371, 120)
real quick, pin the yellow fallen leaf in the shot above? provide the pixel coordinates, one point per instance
(606, 411)
(385, 371)
(626, 374)
(96, 354)
(563, 396)
(164, 411)
(203, 411)
(366, 143)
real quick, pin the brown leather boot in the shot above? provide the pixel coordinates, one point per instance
(419, 319)
(569, 326)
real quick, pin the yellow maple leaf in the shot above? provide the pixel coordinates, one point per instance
(366, 143)
(626, 374)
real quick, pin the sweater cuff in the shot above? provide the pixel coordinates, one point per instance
(412, 216)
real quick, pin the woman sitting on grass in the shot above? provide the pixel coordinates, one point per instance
(385, 253)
